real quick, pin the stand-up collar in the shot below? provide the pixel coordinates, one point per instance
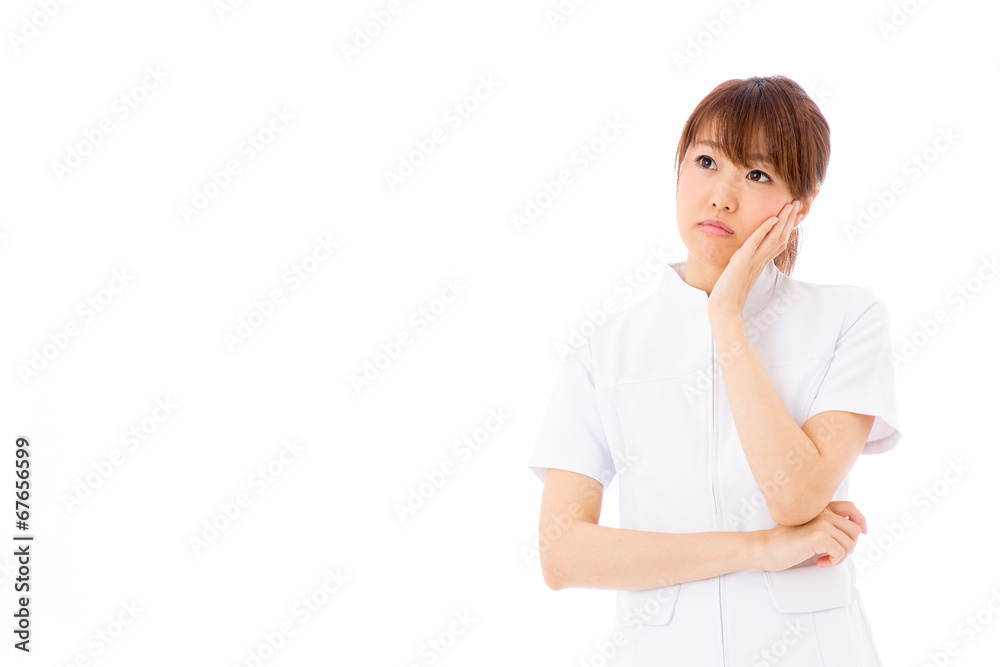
(678, 293)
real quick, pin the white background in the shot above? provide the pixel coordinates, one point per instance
(469, 548)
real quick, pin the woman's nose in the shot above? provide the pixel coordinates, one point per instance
(723, 196)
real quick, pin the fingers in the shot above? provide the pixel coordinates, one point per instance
(846, 508)
(846, 526)
(772, 236)
(780, 227)
(835, 543)
(826, 561)
(842, 529)
(764, 230)
(846, 534)
(786, 228)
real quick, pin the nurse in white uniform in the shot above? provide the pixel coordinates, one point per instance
(731, 404)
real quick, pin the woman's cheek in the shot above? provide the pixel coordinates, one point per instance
(684, 186)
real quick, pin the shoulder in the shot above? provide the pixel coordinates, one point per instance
(629, 320)
(624, 337)
(804, 320)
(837, 302)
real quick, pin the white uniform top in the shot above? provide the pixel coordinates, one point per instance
(644, 399)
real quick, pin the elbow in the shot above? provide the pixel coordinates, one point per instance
(558, 570)
(550, 581)
(551, 570)
(781, 510)
(559, 558)
(785, 518)
(794, 513)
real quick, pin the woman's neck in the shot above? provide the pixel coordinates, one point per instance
(701, 275)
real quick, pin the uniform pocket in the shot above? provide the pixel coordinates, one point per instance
(653, 606)
(810, 588)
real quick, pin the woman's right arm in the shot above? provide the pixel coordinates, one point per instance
(576, 552)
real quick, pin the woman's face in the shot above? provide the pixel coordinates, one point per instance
(711, 187)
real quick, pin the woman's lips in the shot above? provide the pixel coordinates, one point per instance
(713, 228)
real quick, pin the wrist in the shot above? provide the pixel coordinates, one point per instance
(725, 316)
(759, 541)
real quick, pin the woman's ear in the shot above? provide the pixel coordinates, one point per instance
(806, 206)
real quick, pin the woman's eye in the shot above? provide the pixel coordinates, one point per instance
(701, 161)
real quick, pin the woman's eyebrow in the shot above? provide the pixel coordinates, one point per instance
(757, 157)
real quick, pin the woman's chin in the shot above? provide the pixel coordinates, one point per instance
(709, 250)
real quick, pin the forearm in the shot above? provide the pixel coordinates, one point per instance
(593, 556)
(779, 453)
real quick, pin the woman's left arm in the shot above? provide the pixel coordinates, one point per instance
(797, 469)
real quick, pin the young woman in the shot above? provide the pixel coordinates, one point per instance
(731, 404)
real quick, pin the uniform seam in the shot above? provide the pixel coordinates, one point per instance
(819, 645)
(859, 607)
(625, 477)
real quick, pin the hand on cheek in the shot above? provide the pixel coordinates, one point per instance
(762, 246)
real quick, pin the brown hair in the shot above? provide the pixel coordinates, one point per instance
(795, 135)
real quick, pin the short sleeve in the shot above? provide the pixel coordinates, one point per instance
(861, 377)
(572, 434)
